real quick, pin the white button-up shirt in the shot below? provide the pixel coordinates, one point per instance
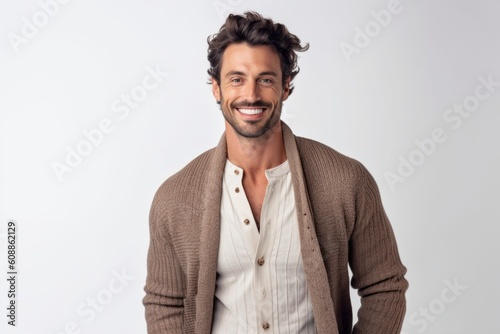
(261, 286)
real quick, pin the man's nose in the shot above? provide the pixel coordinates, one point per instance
(251, 92)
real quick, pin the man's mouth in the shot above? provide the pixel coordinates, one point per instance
(250, 111)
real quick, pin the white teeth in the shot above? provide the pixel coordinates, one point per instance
(251, 111)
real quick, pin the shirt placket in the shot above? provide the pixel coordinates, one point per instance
(262, 275)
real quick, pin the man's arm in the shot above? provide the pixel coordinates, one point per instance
(378, 273)
(164, 300)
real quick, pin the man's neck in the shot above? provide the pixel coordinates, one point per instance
(255, 155)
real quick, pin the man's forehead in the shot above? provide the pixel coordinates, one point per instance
(243, 56)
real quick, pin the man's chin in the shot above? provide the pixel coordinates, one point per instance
(247, 133)
(252, 129)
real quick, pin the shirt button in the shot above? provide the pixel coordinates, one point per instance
(237, 172)
(260, 261)
(237, 189)
(265, 325)
(246, 221)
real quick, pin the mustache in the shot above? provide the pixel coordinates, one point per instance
(258, 104)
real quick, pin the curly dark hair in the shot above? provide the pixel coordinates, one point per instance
(254, 29)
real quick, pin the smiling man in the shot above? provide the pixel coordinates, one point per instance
(256, 235)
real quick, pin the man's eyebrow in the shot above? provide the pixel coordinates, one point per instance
(271, 73)
(234, 73)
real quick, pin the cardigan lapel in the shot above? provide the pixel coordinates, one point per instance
(316, 276)
(314, 267)
(209, 238)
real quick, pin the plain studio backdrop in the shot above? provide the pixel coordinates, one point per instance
(101, 101)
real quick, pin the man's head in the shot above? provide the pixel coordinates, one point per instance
(252, 64)
(253, 29)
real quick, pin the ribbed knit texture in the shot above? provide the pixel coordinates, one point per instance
(341, 223)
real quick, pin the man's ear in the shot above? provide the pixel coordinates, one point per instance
(286, 90)
(216, 90)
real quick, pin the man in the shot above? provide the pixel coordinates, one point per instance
(256, 234)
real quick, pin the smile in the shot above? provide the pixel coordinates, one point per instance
(251, 111)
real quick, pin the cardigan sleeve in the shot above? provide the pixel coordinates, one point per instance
(378, 273)
(164, 300)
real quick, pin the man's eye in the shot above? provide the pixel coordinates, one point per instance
(236, 80)
(266, 80)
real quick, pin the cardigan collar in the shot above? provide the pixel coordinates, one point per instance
(314, 267)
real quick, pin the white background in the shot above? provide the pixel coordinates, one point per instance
(76, 234)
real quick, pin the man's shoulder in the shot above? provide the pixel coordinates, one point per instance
(189, 178)
(328, 170)
(319, 155)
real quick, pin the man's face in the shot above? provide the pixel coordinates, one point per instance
(251, 89)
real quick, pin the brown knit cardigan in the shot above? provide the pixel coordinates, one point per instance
(341, 223)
